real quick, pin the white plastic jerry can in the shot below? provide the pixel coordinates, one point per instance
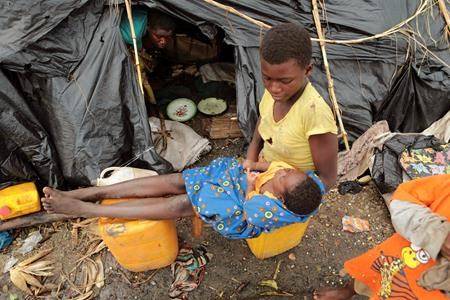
(120, 174)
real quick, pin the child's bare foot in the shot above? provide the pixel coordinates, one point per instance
(84, 194)
(343, 293)
(58, 203)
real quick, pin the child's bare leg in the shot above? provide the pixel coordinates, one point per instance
(146, 187)
(343, 293)
(154, 209)
(142, 201)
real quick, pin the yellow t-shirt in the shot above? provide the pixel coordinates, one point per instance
(287, 139)
(266, 176)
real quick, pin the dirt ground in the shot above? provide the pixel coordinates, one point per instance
(318, 259)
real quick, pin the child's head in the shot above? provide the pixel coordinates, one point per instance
(301, 194)
(285, 60)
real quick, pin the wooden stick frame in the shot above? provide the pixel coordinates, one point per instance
(445, 14)
(133, 36)
(331, 92)
(420, 9)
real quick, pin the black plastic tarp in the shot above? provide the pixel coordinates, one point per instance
(73, 73)
(26, 150)
(63, 130)
(413, 103)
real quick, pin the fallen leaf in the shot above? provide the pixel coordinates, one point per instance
(85, 277)
(34, 257)
(277, 270)
(50, 286)
(42, 265)
(40, 268)
(270, 283)
(93, 249)
(19, 281)
(84, 296)
(23, 275)
(31, 280)
(276, 293)
(74, 234)
(100, 280)
(92, 272)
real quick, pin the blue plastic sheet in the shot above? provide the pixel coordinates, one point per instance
(5, 239)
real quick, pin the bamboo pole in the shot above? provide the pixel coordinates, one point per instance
(238, 13)
(330, 80)
(133, 36)
(420, 9)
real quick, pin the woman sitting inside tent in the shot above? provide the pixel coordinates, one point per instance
(153, 33)
(153, 30)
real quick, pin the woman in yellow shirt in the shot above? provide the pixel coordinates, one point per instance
(296, 125)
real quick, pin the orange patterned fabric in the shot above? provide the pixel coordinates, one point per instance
(392, 268)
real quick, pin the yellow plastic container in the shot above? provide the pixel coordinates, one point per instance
(19, 200)
(280, 240)
(140, 245)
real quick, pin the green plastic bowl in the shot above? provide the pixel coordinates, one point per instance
(181, 109)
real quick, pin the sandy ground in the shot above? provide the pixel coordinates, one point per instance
(318, 259)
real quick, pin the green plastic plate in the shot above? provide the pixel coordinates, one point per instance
(212, 106)
(181, 109)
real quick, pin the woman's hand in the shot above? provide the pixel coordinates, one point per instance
(251, 178)
(248, 165)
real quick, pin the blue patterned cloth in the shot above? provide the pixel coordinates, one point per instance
(217, 193)
(316, 179)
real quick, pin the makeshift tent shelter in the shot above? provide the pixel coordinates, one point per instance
(71, 105)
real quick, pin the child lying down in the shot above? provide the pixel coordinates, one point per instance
(237, 203)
